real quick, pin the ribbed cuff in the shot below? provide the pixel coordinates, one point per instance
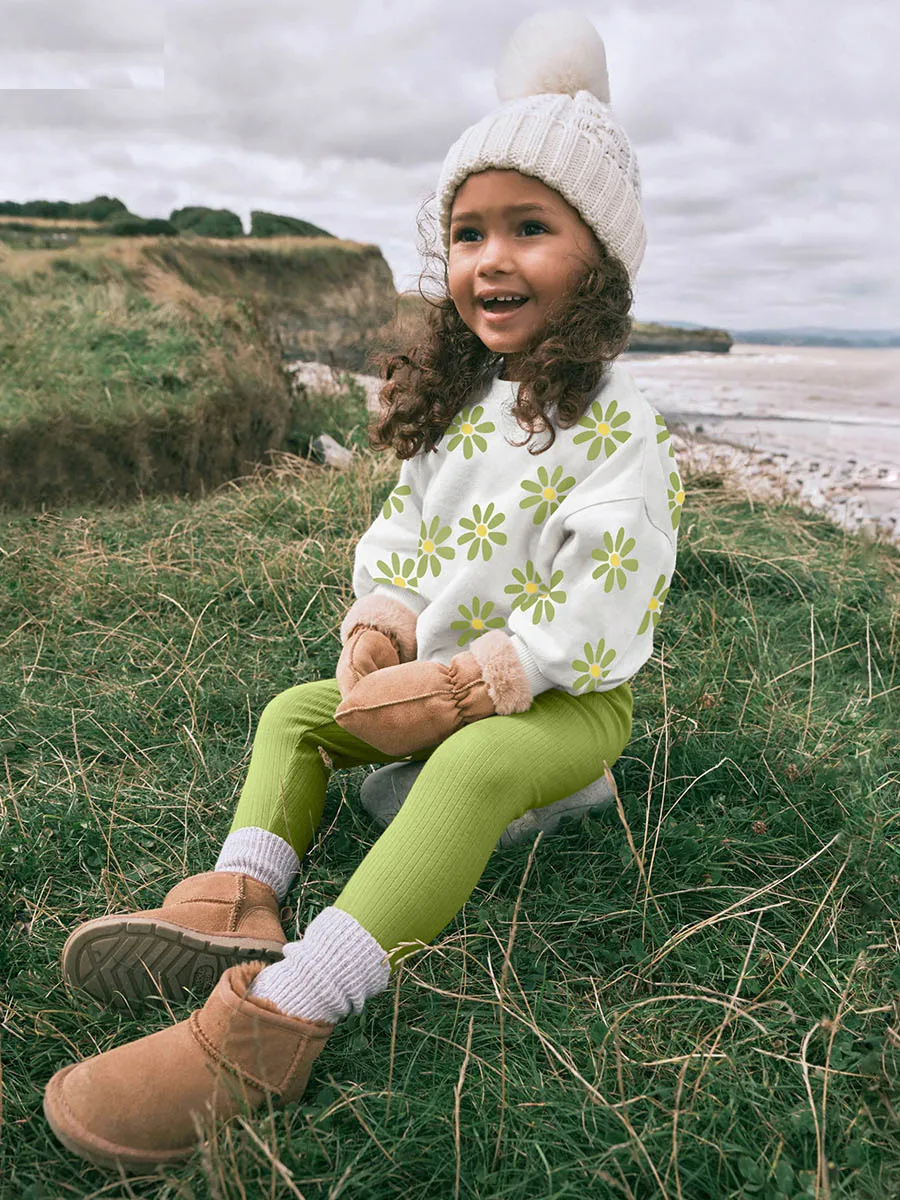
(331, 972)
(536, 680)
(262, 855)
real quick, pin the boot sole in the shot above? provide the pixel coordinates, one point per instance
(122, 960)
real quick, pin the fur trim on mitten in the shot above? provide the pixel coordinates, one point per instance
(389, 617)
(503, 672)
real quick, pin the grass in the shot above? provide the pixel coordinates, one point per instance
(154, 366)
(114, 383)
(692, 995)
(99, 347)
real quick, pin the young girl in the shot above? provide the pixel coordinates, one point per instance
(503, 604)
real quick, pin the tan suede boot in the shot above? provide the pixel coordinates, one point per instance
(206, 923)
(139, 1105)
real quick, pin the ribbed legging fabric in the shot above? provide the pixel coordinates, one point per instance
(425, 865)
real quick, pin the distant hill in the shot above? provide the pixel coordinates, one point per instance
(813, 335)
(808, 335)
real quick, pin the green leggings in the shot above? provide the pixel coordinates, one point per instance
(425, 865)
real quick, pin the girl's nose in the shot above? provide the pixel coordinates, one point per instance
(495, 251)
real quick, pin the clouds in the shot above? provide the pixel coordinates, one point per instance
(92, 26)
(765, 132)
(48, 45)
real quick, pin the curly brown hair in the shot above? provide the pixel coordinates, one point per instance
(428, 382)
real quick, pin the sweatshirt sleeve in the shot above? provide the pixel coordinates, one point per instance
(590, 626)
(385, 558)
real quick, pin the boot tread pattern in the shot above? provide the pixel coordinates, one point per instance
(130, 960)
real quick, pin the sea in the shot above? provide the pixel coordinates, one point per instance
(827, 415)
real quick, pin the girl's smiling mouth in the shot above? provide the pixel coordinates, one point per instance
(500, 311)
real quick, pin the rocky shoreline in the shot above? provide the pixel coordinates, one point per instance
(838, 490)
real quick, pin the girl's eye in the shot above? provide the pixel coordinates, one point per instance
(460, 234)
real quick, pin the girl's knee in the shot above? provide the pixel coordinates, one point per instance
(289, 706)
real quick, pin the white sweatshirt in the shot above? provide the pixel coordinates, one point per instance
(569, 552)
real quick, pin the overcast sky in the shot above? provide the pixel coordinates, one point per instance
(767, 131)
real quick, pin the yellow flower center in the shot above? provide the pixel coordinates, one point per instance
(653, 604)
(477, 623)
(614, 560)
(399, 581)
(481, 530)
(428, 546)
(603, 429)
(594, 670)
(531, 588)
(466, 427)
(679, 497)
(549, 493)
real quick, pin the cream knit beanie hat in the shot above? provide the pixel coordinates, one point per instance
(555, 124)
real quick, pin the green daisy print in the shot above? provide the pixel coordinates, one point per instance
(466, 429)
(603, 429)
(661, 432)
(594, 668)
(482, 528)
(530, 592)
(430, 549)
(477, 620)
(402, 576)
(654, 605)
(676, 498)
(547, 492)
(394, 499)
(614, 560)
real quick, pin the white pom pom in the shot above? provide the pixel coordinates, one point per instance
(557, 51)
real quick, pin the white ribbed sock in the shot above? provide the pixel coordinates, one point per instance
(262, 855)
(334, 970)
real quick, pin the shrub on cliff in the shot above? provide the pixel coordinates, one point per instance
(265, 224)
(101, 208)
(131, 226)
(36, 208)
(186, 218)
(207, 222)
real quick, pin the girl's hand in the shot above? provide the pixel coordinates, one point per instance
(365, 651)
(404, 708)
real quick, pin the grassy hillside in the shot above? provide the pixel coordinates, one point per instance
(148, 365)
(694, 997)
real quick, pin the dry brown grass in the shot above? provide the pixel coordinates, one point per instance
(131, 252)
(51, 222)
(128, 251)
(173, 294)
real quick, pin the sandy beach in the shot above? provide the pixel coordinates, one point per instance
(818, 425)
(826, 419)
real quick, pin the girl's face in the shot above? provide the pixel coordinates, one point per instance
(511, 235)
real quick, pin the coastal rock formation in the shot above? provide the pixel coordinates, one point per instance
(666, 339)
(334, 314)
(323, 299)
